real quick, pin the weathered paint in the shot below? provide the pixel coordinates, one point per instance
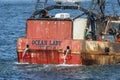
(81, 52)
(90, 59)
(49, 39)
(49, 29)
(98, 47)
(49, 54)
(93, 52)
(38, 44)
(48, 57)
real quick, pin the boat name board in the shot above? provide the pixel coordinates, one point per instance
(46, 44)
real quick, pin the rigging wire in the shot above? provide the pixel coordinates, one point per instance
(37, 3)
(94, 4)
(100, 4)
(45, 3)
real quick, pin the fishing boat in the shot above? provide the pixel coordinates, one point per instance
(55, 36)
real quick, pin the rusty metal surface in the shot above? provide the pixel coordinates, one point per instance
(45, 53)
(49, 29)
(93, 52)
(98, 47)
(59, 45)
(48, 57)
(81, 52)
(94, 47)
(90, 59)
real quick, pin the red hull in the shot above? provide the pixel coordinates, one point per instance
(48, 57)
(61, 38)
(49, 54)
(48, 41)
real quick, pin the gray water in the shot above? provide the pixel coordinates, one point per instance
(13, 15)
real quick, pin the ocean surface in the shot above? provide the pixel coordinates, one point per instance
(13, 15)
